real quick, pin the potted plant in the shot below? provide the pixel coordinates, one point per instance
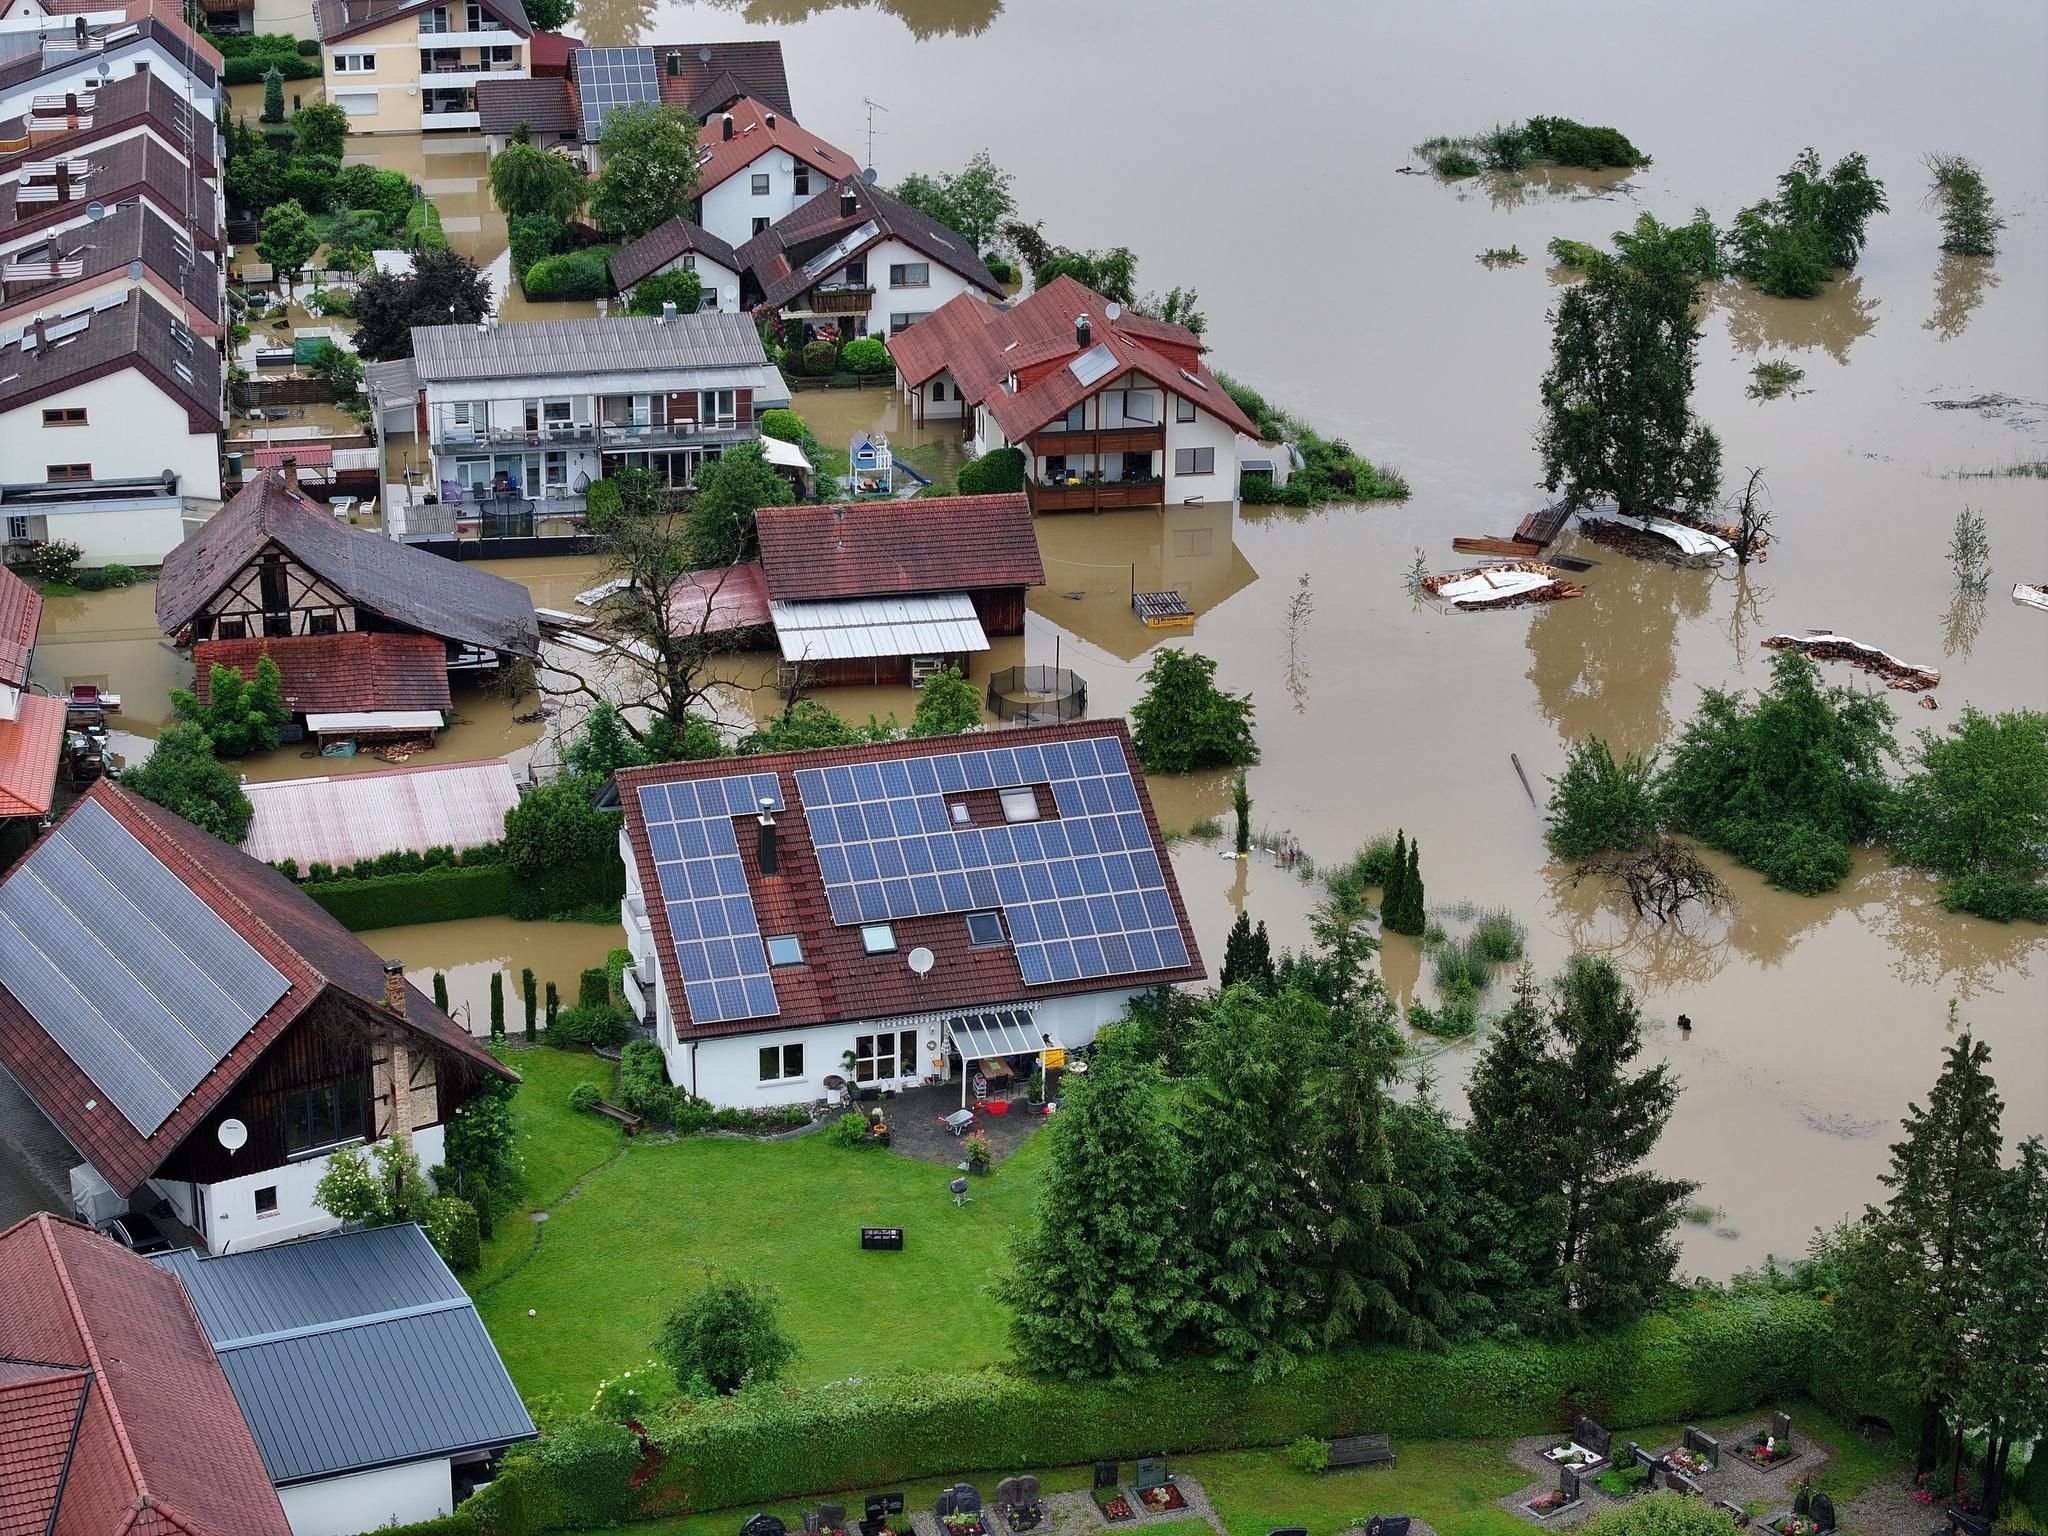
(977, 1152)
(1037, 1091)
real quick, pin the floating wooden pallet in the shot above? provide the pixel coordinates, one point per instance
(1162, 610)
(1539, 528)
(1514, 549)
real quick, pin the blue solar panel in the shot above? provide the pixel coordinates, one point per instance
(1084, 895)
(610, 78)
(703, 890)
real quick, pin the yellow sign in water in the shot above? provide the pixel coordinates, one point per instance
(1053, 1058)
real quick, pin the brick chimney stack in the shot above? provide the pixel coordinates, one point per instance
(290, 467)
(394, 974)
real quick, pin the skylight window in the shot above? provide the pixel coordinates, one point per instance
(785, 949)
(1020, 804)
(1194, 379)
(984, 929)
(878, 939)
(1094, 365)
(961, 815)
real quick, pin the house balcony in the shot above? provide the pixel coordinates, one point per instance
(841, 301)
(436, 118)
(1140, 439)
(1082, 495)
(610, 437)
(459, 77)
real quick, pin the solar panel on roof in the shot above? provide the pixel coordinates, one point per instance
(1098, 362)
(703, 891)
(135, 978)
(1084, 895)
(610, 78)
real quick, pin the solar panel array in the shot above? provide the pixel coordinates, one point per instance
(1084, 894)
(704, 892)
(609, 78)
(138, 981)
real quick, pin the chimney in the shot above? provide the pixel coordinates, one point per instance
(728, 125)
(766, 844)
(41, 340)
(768, 118)
(290, 467)
(394, 975)
(63, 181)
(1084, 338)
(668, 310)
(848, 202)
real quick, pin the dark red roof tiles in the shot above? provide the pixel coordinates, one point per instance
(163, 1444)
(315, 954)
(891, 548)
(838, 980)
(338, 674)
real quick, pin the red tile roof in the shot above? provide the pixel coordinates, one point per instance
(21, 612)
(316, 955)
(1035, 339)
(838, 980)
(715, 601)
(30, 745)
(776, 255)
(163, 1444)
(881, 548)
(747, 68)
(758, 130)
(338, 674)
(548, 52)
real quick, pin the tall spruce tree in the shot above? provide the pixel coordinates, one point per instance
(1414, 909)
(1560, 1130)
(1249, 1156)
(1103, 1280)
(1910, 1283)
(1248, 955)
(1364, 1262)
(1451, 1279)
(1397, 876)
(2006, 1390)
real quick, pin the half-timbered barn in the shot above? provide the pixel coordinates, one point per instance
(202, 1031)
(272, 564)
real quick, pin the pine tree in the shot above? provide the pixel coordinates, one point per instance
(1391, 907)
(526, 990)
(1509, 1147)
(554, 1003)
(1455, 1267)
(1103, 1283)
(440, 991)
(2006, 1390)
(1414, 910)
(497, 1005)
(1910, 1283)
(273, 95)
(1241, 803)
(1363, 1267)
(1248, 1152)
(1247, 956)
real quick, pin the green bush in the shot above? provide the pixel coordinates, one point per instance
(603, 1026)
(429, 896)
(1598, 803)
(453, 1228)
(593, 988)
(588, 1464)
(89, 581)
(250, 71)
(603, 502)
(533, 237)
(818, 357)
(866, 355)
(1665, 1513)
(1308, 1454)
(54, 559)
(1564, 142)
(1458, 969)
(585, 1096)
(1000, 469)
(572, 275)
(1798, 856)
(572, 888)
(1496, 938)
(999, 269)
(2000, 898)
(423, 228)
(643, 1082)
(116, 574)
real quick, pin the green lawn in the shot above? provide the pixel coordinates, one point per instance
(644, 1227)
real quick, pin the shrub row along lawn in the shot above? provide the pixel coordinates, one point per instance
(644, 1229)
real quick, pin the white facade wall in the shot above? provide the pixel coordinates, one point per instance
(942, 400)
(82, 73)
(713, 277)
(226, 1218)
(370, 1501)
(729, 209)
(943, 284)
(1205, 431)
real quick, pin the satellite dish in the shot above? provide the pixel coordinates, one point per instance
(869, 176)
(95, 211)
(922, 960)
(704, 55)
(134, 271)
(1112, 310)
(233, 1135)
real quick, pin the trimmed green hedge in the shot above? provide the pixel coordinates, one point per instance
(430, 896)
(568, 889)
(572, 275)
(250, 69)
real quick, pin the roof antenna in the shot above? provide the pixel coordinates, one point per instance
(873, 107)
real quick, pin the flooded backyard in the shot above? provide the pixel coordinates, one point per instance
(1350, 295)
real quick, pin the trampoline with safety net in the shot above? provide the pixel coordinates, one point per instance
(1037, 695)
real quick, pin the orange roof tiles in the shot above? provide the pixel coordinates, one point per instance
(338, 674)
(885, 548)
(30, 745)
(21, 613)
(757, 130)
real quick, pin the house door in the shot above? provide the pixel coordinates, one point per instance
(883, 1058)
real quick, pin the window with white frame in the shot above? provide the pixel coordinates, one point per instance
(357, 103)
(877, 1058)
(761, 184)
(802, 180)
(781, 1063)
(1194, 461)
(355, 63)
(716, 405)
(785, 949)
(878, 939)
(1183, 408)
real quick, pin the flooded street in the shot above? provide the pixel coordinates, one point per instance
(1351, 296)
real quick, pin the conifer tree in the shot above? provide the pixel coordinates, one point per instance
(2006, 1390)
(1103, 1280)
(1248, 1148)
(554, 1003)
(1391, 907)
(1414, 910)
(1508, 1143)
(1365, 1261)
(1912, 1278)
(497, 1005)
(526, 992)
(1248, 955)
(1454, 1231)
(440, 991)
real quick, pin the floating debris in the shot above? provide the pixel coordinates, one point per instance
(1658, 538)
(2011, 410)
(1826, 645)
(1514, 549)
(603, 590)
(2034, 595)
(1501, 586)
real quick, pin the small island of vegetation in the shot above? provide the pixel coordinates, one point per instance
(1539, 141)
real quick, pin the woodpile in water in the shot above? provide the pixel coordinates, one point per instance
(1902, 675)
(1507, 585)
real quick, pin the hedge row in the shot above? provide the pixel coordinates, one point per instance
(568, 889)
(430, 896)
(251, 69)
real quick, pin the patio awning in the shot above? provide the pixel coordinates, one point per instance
(376, 720)
(943, 624)
(997, 1032)
(784, 455)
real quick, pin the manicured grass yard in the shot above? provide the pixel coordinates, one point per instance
(644, 1228)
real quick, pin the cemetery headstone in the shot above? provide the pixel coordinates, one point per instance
(1781, 1426)
(1006, 1494)
(1823, 1511)
(1568, 1483)
(966, 1499)
(1703, 1444)
(1595, 1439)
(764, 1524)
(832, 1517)
(1802, 1500)
(1105, 1474)
(1151, 1472)
(1027, 1489)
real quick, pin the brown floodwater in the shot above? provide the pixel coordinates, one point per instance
(1351, 295)
(472, 950)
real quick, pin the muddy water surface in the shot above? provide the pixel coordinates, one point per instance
(471, 951)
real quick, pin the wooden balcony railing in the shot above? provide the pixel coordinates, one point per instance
(1106, 440)
(1095, 496)
(841, 301)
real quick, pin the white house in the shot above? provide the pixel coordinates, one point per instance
(679, 245)
(861, 263)
(1112, 409)
(756, 166)
(537, 410)
(894, 913)
(58, 64)
(112, 411)
(362, 1371)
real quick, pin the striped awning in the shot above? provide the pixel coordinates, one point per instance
(997, 1032)
(941, 625)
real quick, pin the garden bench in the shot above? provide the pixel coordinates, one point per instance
(625, 1117)
(1361, 1451)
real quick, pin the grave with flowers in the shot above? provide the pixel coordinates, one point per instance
(1773, 1447)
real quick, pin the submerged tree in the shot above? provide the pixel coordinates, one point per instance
(1792, 243)
(1617, 401)
(1975, 811)
(1969, 220)
(184, 777)
(1184, 721)
(443, 288)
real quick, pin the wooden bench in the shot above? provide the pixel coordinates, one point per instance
(1361, 1451)
(625, 1117)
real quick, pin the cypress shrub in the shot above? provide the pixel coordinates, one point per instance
(594, 988)
(497, 1005)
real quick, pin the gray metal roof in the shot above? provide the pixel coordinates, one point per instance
(352, 1351)
(534, 348)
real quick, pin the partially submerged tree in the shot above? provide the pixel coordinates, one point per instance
(1969, 219)
(730, 491)
(322, 129)
(974, 200)
(241, 715)
(1975, 811)
(650, 169)
(1617, 401)
(947, 705)
(1184, 721)
(1790, 244)
(287, 239)
(1598, 804)
(526, 180)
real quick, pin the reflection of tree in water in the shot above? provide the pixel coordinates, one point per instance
(1960, 283)
(1964, 617)
(1603, 665)
(616, 23)
(924, 18)
(1400, 966)
(1598, 919)
(1546, 184)
(1832, 322)
(1745, 615)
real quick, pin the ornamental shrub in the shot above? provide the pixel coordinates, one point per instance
(1000, 469)
(594, 988)
(1664, 1513)
(427, 896)
(643, 1082)
(585, 1096)
(54, 559)
(819, 357)
(588, 1465)
(452, 1227)
(865, 355)
(1185, 721)
(606, 1026)
(423, 228)
(533, 237)
(1308, 1454)
(724, 1336)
